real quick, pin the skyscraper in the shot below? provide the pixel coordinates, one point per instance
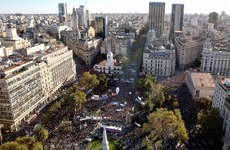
(87, 17)
(74, 18)
(156, 17)
(81, 16)
(213, 17)
(62, 10)
(177, 17)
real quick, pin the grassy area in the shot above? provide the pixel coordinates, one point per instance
(96, 144)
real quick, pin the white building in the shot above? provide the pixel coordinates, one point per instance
(215, 59)
(200, 84)
(222, 91)
(109, 65)
(157, 59)
(28, 84)
(187, 50)
(86, 46)
(116, 44)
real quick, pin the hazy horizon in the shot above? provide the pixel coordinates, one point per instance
(109, 6)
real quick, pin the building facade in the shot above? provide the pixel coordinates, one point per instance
(213, 18)
(81, 16)
(177, 17)
(156, 17)
(187, 51)
(85, 46)
(157, 59)
(222, 91)
(109, 66)
(62, 12)
(215, 58)
(28, 84)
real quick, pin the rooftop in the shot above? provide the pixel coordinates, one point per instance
(202, 80)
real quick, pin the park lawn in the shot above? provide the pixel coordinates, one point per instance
(97, 145)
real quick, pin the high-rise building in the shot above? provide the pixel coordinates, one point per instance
(62, 10)
(101, 26)
(177, 16)
(213, 18)
(81, 16)
(74, 18)
(156, 17)
(87, 17)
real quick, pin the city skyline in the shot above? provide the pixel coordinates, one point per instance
(109, 6)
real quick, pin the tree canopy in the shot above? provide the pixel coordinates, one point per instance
(22, 143)
(211, 127)
(87, 81)
(41, 133)
(165, 125)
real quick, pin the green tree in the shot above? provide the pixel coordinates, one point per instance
(30, 143)
(54, 108)
(146, 145)
(125, 63)
(13, 146)
(203, 102)
(103, 82)
(77, 99)
(165, 125)
(211, 126)
(147, 83)
(41, 133)
(87, 81)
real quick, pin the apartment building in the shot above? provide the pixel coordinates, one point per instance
(222, 91)
(188, 49)
(28, 84)
(216, 57)
(85, 45)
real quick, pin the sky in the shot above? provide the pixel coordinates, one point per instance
(110, 6)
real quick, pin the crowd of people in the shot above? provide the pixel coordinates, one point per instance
(187, 108)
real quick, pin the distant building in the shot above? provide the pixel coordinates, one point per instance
(200, 84)
(87, 17)
(215, 58)
(101, 26)
(85, 45)
(156, 17)
(81, 16)
(116, 44)
(177, 17)
(62, 12)
(213, 18)
(74, 18)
